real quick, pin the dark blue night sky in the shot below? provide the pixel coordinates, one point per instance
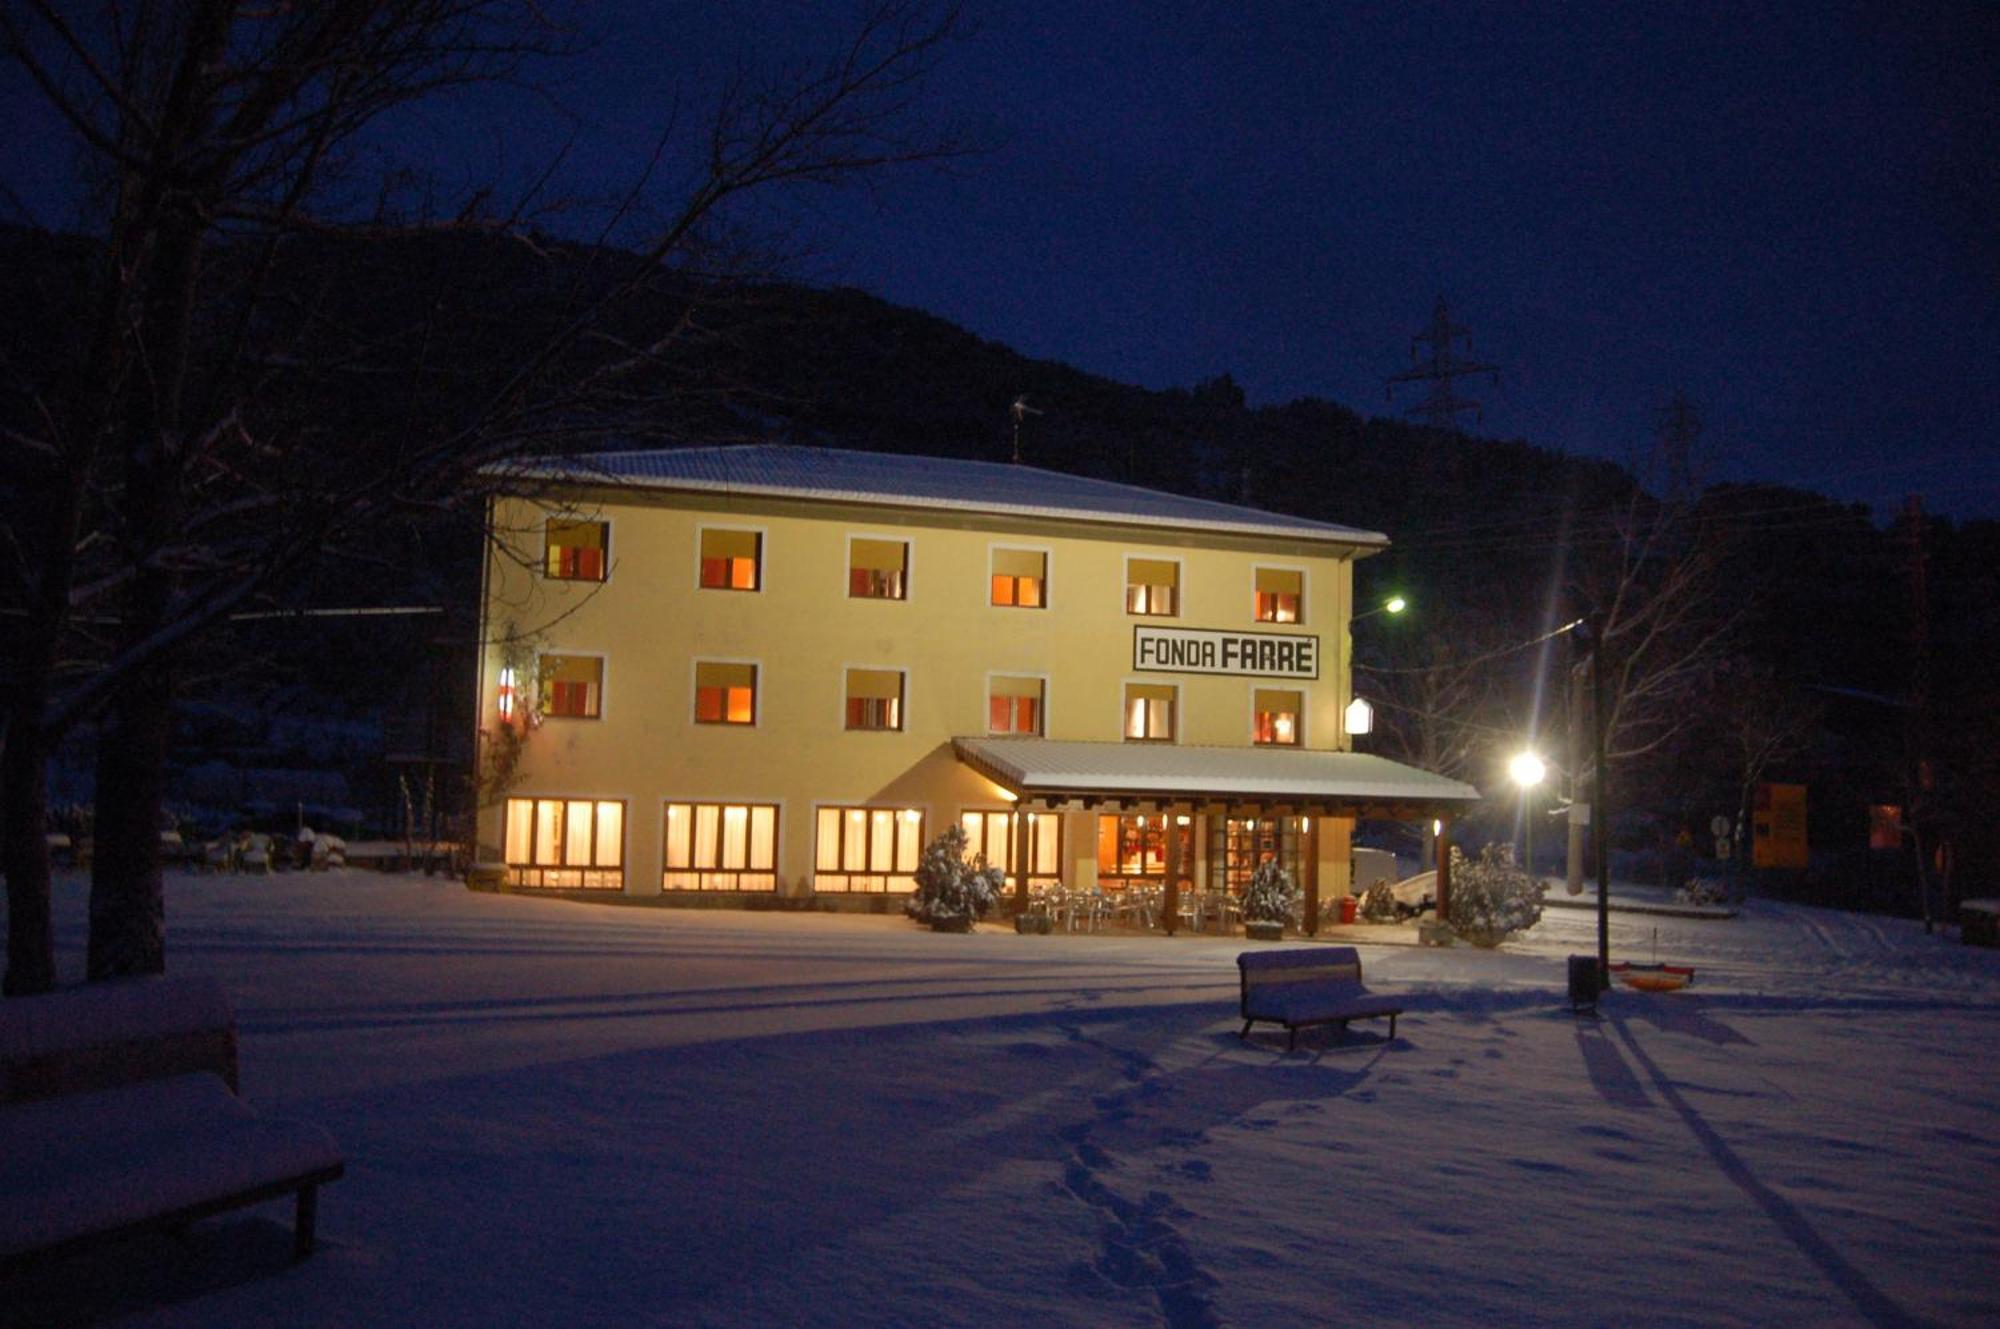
(1792, 210)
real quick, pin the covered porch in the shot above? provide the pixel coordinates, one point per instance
(1191, 823)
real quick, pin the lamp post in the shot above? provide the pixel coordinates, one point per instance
(1395, 604)
(1527, 770)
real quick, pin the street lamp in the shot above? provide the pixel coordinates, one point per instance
(1526, 770)
(1395, 604)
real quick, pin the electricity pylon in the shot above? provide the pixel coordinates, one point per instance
(1440, 368)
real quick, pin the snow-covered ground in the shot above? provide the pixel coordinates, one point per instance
(576, 1115)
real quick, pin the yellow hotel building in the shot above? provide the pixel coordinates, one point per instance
(770, 674)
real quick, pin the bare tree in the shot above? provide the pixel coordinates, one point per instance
(203, 444)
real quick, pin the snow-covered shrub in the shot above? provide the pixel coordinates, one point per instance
(1703, 890)
(950, 891)
(1491, 897)
(1378, 903)
(1270, 895)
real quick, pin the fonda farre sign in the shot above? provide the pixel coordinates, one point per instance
(1207, 651)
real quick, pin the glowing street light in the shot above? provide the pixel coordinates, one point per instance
(1395, 604)
(1527, 770)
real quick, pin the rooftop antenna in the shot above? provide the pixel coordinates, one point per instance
(1440, 367)
(1020, 410)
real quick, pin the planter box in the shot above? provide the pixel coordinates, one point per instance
(1264, 931)
(1037, 924)
(960, 924)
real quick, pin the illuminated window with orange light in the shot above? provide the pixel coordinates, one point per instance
(576, 550)
(1013, 705)
(572, 686)
(725, 693)
(1280, 595)
(989, 839)
(867, 850)
(1134, 848)
(1020, 578)
(878, 569)
(720, 847)
(1152, 587)
(874, 699)
(565, 843)
(1149, 712)
(731, 560)
(1276, 717)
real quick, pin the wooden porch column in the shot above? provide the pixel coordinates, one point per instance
(1171, 905)
(1309, 869)
(1443, 866)
(1021, 857)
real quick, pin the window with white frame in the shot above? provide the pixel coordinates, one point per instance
(867, 850)
(576, 550)
(874, 699)
(731, 560)
(572, 686)
(1152, 587)
(1149, 712)
(720, 847)
(1020, 578)
(1280, 595)
(566, 843)
(1275, 716)
(878, 569)
(725, 693)
(1014, 704)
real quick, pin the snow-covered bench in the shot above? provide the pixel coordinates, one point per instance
(1308, 985)
(119, 1115)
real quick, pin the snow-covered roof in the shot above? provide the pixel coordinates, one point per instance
(1038, 766)
(838, 476)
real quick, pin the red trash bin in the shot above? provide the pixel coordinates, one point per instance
(1348, 908)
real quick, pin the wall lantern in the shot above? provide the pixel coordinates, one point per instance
(1360, 716)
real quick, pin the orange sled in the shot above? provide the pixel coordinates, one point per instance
(1653, 977)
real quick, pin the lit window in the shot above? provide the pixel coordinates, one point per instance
(989, 838)
(1152, 586)
(576, 550)
(867, 849)
(731, 560)
(1021, 578)
(1149, 711)
(566, 843)
(725, 693)
(1280, 595)
(1276, 717)
(720, 847)
(1135, 848)
(1014, 705)
(572, 686)
(874, 699)
(878, 569)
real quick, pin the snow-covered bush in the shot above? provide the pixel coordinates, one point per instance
(950, 891)
(1491, 897)
(1703, 890)
(1378, 903)
(1270, 895)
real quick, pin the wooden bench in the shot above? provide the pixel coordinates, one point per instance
(119, 1115)
(1308, 985)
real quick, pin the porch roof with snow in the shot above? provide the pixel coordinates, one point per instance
(1342, 783)
(906, 480)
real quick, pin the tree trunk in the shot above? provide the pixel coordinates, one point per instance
(24, 856)
(127, 901)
